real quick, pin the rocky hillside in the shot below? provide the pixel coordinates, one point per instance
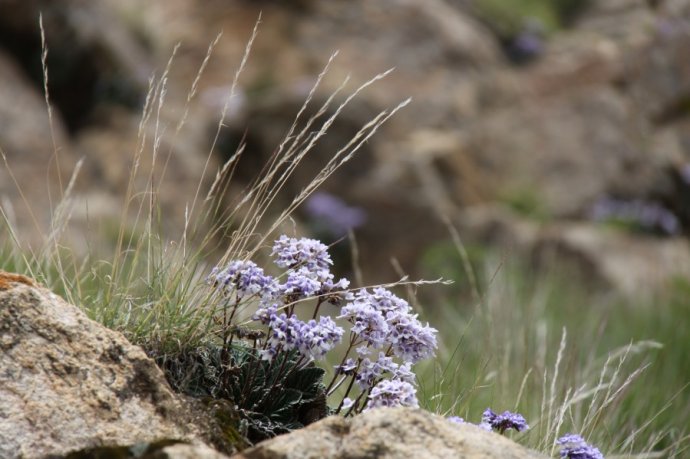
(588, 124)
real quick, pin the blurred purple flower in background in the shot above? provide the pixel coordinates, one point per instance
(649, 215)
(529, 42)
(671, 27)
(333, 214)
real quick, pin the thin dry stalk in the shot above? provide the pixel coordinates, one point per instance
(46, 93)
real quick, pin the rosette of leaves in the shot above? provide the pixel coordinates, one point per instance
(270, 398)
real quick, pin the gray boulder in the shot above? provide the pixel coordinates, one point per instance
(185, 451)
(390, 433)
(68, 383)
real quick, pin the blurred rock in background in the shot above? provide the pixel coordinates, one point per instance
(540, 116)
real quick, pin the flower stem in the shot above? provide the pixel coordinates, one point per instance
(316, 309)
(353, 338)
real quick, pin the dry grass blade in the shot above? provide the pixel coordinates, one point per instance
(44, 65)
(221, 121)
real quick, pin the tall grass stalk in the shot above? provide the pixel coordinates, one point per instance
(152, 284)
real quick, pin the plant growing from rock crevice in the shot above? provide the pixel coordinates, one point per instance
(274, 335)
(261, 400)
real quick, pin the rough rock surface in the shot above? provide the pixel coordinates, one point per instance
(67, 383)
(389, 433)
(552, 161)
(635, 265)
(185, 451)
(164, 449)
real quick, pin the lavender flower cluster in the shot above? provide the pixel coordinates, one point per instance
(504, 421)
(386, 337)
(498, 422)
(308, 274)
(244, 278)
(382, 319)
(312, 339)
(575, 447)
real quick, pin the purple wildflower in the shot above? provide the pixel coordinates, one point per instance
(268, 353)
(575, 447)
(371, 370)
(347, 368)
(485, 426)
(332, 212)
(456, 419)
(265, 312)
(381, 318)
(411, 340)
(245, 278)
(285, 334)
(404, 373)
(329, 286)
(347, 403)
(504, 421)
(367, 322)
(300, 283)
(392, 393)
(385, 301)
(312, 339)
(363, 351)
(317, 338)
(303, 283)
(311, 254)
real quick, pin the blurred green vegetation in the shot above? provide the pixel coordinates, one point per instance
(508, 17)
(528, 203)
(502, 352)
